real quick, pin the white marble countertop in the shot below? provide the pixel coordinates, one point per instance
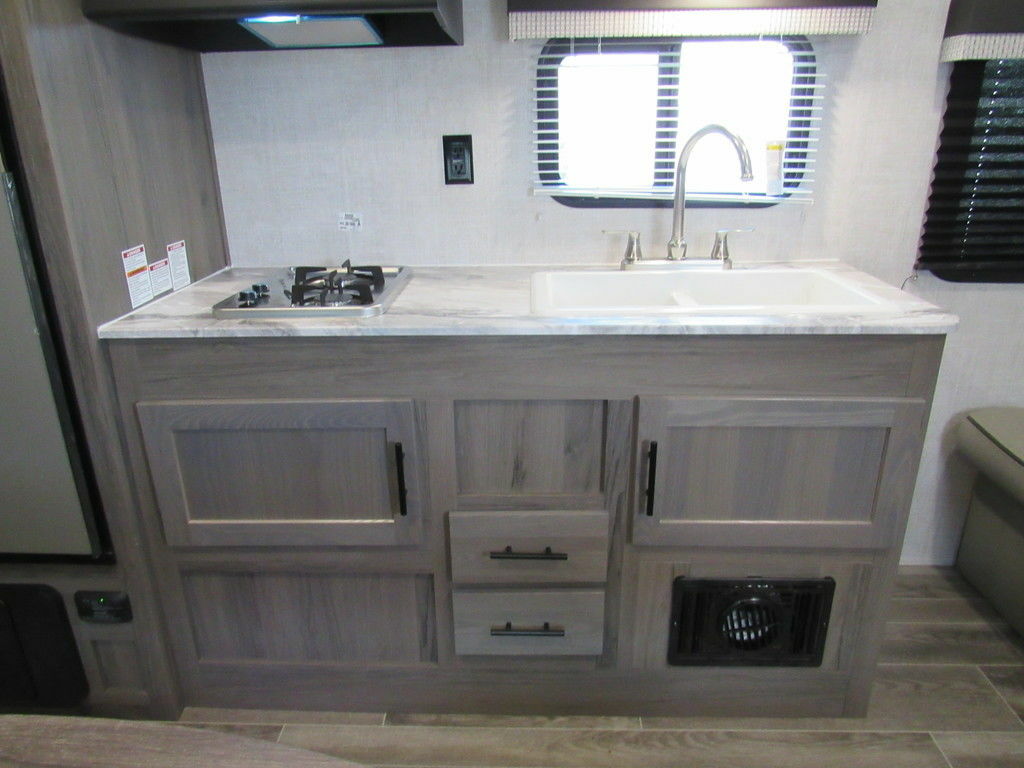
(463, 301)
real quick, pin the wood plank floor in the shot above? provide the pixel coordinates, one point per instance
(949, 694)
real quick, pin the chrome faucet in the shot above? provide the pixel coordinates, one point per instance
(633, 252)
(720, 250)
(677, 245)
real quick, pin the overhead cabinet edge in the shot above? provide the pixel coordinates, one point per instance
(213, 25)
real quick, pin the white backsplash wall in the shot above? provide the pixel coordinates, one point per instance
(304, 136)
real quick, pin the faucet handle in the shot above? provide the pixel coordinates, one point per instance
(720, 250)
(633, 252)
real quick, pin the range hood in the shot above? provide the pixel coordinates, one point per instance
(260, 25)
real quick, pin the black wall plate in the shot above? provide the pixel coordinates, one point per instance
(103, 607)
(458, 159)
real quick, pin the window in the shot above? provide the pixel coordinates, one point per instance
(613, 114)
(974, 228)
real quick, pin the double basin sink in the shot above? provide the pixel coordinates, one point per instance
(754, 291)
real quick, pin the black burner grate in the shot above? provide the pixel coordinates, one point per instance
(335, 286)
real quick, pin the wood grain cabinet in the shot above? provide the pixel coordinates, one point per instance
(540, 552)
(754, 472)
(282, 473)
(854, 576)
(529, 453)
(530, 519)
(534, 622)
(532, 547)
(484, 524)
(250, 617)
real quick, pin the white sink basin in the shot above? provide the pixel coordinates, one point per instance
(737, 291)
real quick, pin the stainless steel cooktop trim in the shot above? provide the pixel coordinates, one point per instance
(395, 278)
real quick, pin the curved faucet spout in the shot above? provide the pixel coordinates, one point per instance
(677, 245)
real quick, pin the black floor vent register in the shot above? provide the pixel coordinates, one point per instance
(749, 622)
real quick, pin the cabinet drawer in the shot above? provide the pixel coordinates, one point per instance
(529, 622)
(528, 547)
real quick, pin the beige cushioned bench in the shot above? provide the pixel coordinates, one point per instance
(991, 555)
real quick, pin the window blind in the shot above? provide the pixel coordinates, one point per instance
(540, 19)
(974, 226)
(800, 139)
(983, 30)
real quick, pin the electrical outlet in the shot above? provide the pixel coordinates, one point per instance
(458, 159)
(103, 607)
(350, 222)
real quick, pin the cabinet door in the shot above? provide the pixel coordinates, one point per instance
(265, 473)
(775, 471)
(251, 619)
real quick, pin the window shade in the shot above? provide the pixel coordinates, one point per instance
(984, 29)
(800, 135)
(974, 227)
(541, 19)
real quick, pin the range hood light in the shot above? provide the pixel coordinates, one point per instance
(298, 31)
(272, 19)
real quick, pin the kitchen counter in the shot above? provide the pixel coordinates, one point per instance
(322, 498)
(495, 301)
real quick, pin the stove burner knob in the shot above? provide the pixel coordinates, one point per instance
(261, 289)
(247, 299)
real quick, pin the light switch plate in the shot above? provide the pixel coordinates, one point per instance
(458, 159)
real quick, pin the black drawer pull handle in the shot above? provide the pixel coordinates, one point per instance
(509, 631)
(403, 501)
(652, 466)
(547, 554)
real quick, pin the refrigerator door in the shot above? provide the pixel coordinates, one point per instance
(41, 512)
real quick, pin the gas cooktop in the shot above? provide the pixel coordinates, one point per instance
(343, 291)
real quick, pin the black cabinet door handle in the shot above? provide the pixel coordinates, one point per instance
(545, 631)
(403, 501)
(509, 554)
(652, 469)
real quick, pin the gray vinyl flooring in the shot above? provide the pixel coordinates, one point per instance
(949, 693)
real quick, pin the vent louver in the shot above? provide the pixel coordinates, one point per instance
(749, 622)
